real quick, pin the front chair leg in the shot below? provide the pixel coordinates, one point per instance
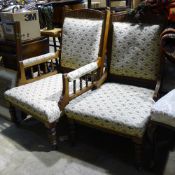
(71, 131)
(52, 135)
(13, 115)
(138, 153)
(152, 137)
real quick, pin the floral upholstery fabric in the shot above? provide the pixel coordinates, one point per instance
(122, 108)
(43, 57)
(163, 111)
(82, 71)
(80, 42)
(135, 50)
(39, 98)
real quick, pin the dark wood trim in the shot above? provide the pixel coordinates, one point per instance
(85, 14)
(52, 135)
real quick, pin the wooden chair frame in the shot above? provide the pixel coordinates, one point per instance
(156, 85)
(82, 13)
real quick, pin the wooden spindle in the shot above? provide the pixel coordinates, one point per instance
(45, 68)
(86, 78)
(74, 86)
(92, 77)
(52, 66)
(81, 83)
(31, 69)
(39, 70)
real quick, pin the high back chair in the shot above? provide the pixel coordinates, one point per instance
(83, 46)
(123, 104)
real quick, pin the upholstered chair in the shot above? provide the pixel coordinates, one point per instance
(123, 104)
(83, 51)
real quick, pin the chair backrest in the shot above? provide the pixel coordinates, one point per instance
(136, 50)
(82, 38)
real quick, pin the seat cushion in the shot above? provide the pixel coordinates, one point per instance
(80, 42)
(122, 108)
(163, 111)
(136, 50)
(39, 98)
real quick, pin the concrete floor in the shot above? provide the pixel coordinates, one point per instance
(25, 151)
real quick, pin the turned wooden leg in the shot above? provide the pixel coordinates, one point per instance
(52, 135)
(138, 153)
(71, 131)
(14, 118)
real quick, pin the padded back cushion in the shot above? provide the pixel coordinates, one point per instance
(80, 42)
(135, 50)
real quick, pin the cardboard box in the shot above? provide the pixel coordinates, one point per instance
(29, 24)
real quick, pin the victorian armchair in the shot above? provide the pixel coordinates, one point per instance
(123, 104)
(84, 39)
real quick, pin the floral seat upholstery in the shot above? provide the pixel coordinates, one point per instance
(39, 98)
(163, 110)
(117, 107)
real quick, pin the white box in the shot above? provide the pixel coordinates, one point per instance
(29, 24)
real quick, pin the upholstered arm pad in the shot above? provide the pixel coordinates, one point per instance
(39, 59)
(82, 71)
(163, 111)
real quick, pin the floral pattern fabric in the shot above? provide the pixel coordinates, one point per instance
(163, 110)
(82, 71)
(80, 42)
(122, 108)
(136, 50)
(33, 60)
(40, 98)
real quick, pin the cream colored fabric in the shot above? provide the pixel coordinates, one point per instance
(122, 108)
(33, 60)
(163, 110)
(82, 71)
(40, 98)
(135, 50)
(81, 42)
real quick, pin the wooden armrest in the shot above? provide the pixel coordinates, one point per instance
(37, 61)
(67, 78)
(80, 72)
(156, 91)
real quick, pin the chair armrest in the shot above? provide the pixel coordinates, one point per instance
(39, 59)
(82, 71)
(31, 63)
(81, 74)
